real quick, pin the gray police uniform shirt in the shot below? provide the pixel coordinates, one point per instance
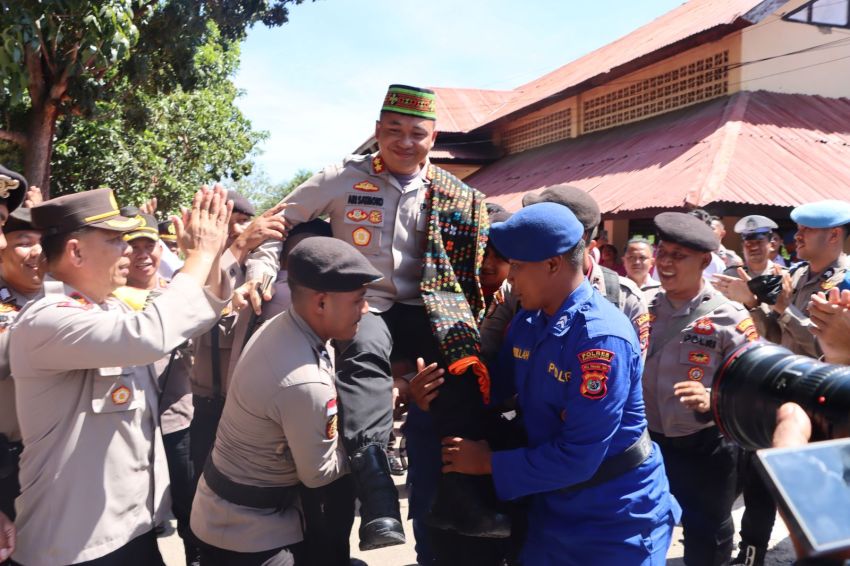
(795, 321)
(763, 315)
(369, 209)
(278, 428)
(11, 302)
(695, 354)
(93, 470)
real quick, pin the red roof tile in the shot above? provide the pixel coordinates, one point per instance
(751, 148)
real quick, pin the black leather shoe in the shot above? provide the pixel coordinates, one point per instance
(750, 555)
(467, 505)
(380, 516)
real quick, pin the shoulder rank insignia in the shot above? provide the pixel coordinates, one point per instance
(331, 414)
(378, 165)
(748, 328)
(78, 301)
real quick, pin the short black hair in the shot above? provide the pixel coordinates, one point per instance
(575, 255)
(52, 246)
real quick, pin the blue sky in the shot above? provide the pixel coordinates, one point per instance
(316, 83)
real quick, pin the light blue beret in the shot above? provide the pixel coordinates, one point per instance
(822, 214)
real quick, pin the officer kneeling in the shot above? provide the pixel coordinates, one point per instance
(278, 432)
(597, 487)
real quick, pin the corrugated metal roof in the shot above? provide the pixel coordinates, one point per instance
(759, 148)
(462, 110)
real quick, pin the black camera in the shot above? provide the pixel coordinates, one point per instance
(756, 379)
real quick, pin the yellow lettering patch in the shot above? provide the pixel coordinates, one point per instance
(521, 354)
(560, 375)
(596, 355)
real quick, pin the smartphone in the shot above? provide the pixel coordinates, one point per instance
(811, 485)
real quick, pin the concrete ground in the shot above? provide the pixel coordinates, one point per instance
(781, 552)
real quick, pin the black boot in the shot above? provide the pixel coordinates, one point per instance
(750, 555)
(380, 517)
(467, 505)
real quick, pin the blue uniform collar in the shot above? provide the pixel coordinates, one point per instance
(559, 323)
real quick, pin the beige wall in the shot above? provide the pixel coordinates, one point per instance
(805, 73)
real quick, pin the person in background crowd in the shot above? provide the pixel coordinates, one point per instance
(144, 284)
(822, 228)
(777, 251)
(729, 257)
(597, 487)
(755, 231)
(608, 257)
(279, 426)
(93, 473)
(693, 328)
(639, 260)
(213, 351)
(15, 265)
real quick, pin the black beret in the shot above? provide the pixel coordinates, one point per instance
(240, 203)
(316, 226)
(20, 219)
(328, 264)
(13, 188)
(578, 201)
(686, 230)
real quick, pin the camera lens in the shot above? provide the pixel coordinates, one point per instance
(756, 379)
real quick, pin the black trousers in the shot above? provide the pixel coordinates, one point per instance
(284, 556)
(180, 469)
(328, 517)
(141, 551)
(759, 506)
(202, 431)
(9, 486)
(364, 385)
(702, 469)
(457, 410)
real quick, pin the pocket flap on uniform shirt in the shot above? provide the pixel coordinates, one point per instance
(114, 391)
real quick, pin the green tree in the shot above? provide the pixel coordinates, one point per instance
(159, 145)
(57, 57)
(259, 189)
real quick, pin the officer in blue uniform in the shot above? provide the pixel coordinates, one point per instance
(597, 489)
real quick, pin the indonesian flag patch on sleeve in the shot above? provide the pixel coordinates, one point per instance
(331, 414)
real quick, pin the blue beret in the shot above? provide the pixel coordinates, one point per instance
(537, 232)
(822, 214)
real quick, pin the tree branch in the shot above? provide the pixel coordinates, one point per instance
(16, 138)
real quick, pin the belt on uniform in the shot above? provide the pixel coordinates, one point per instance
(629, 459)
(688, 441)
(279, 498)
